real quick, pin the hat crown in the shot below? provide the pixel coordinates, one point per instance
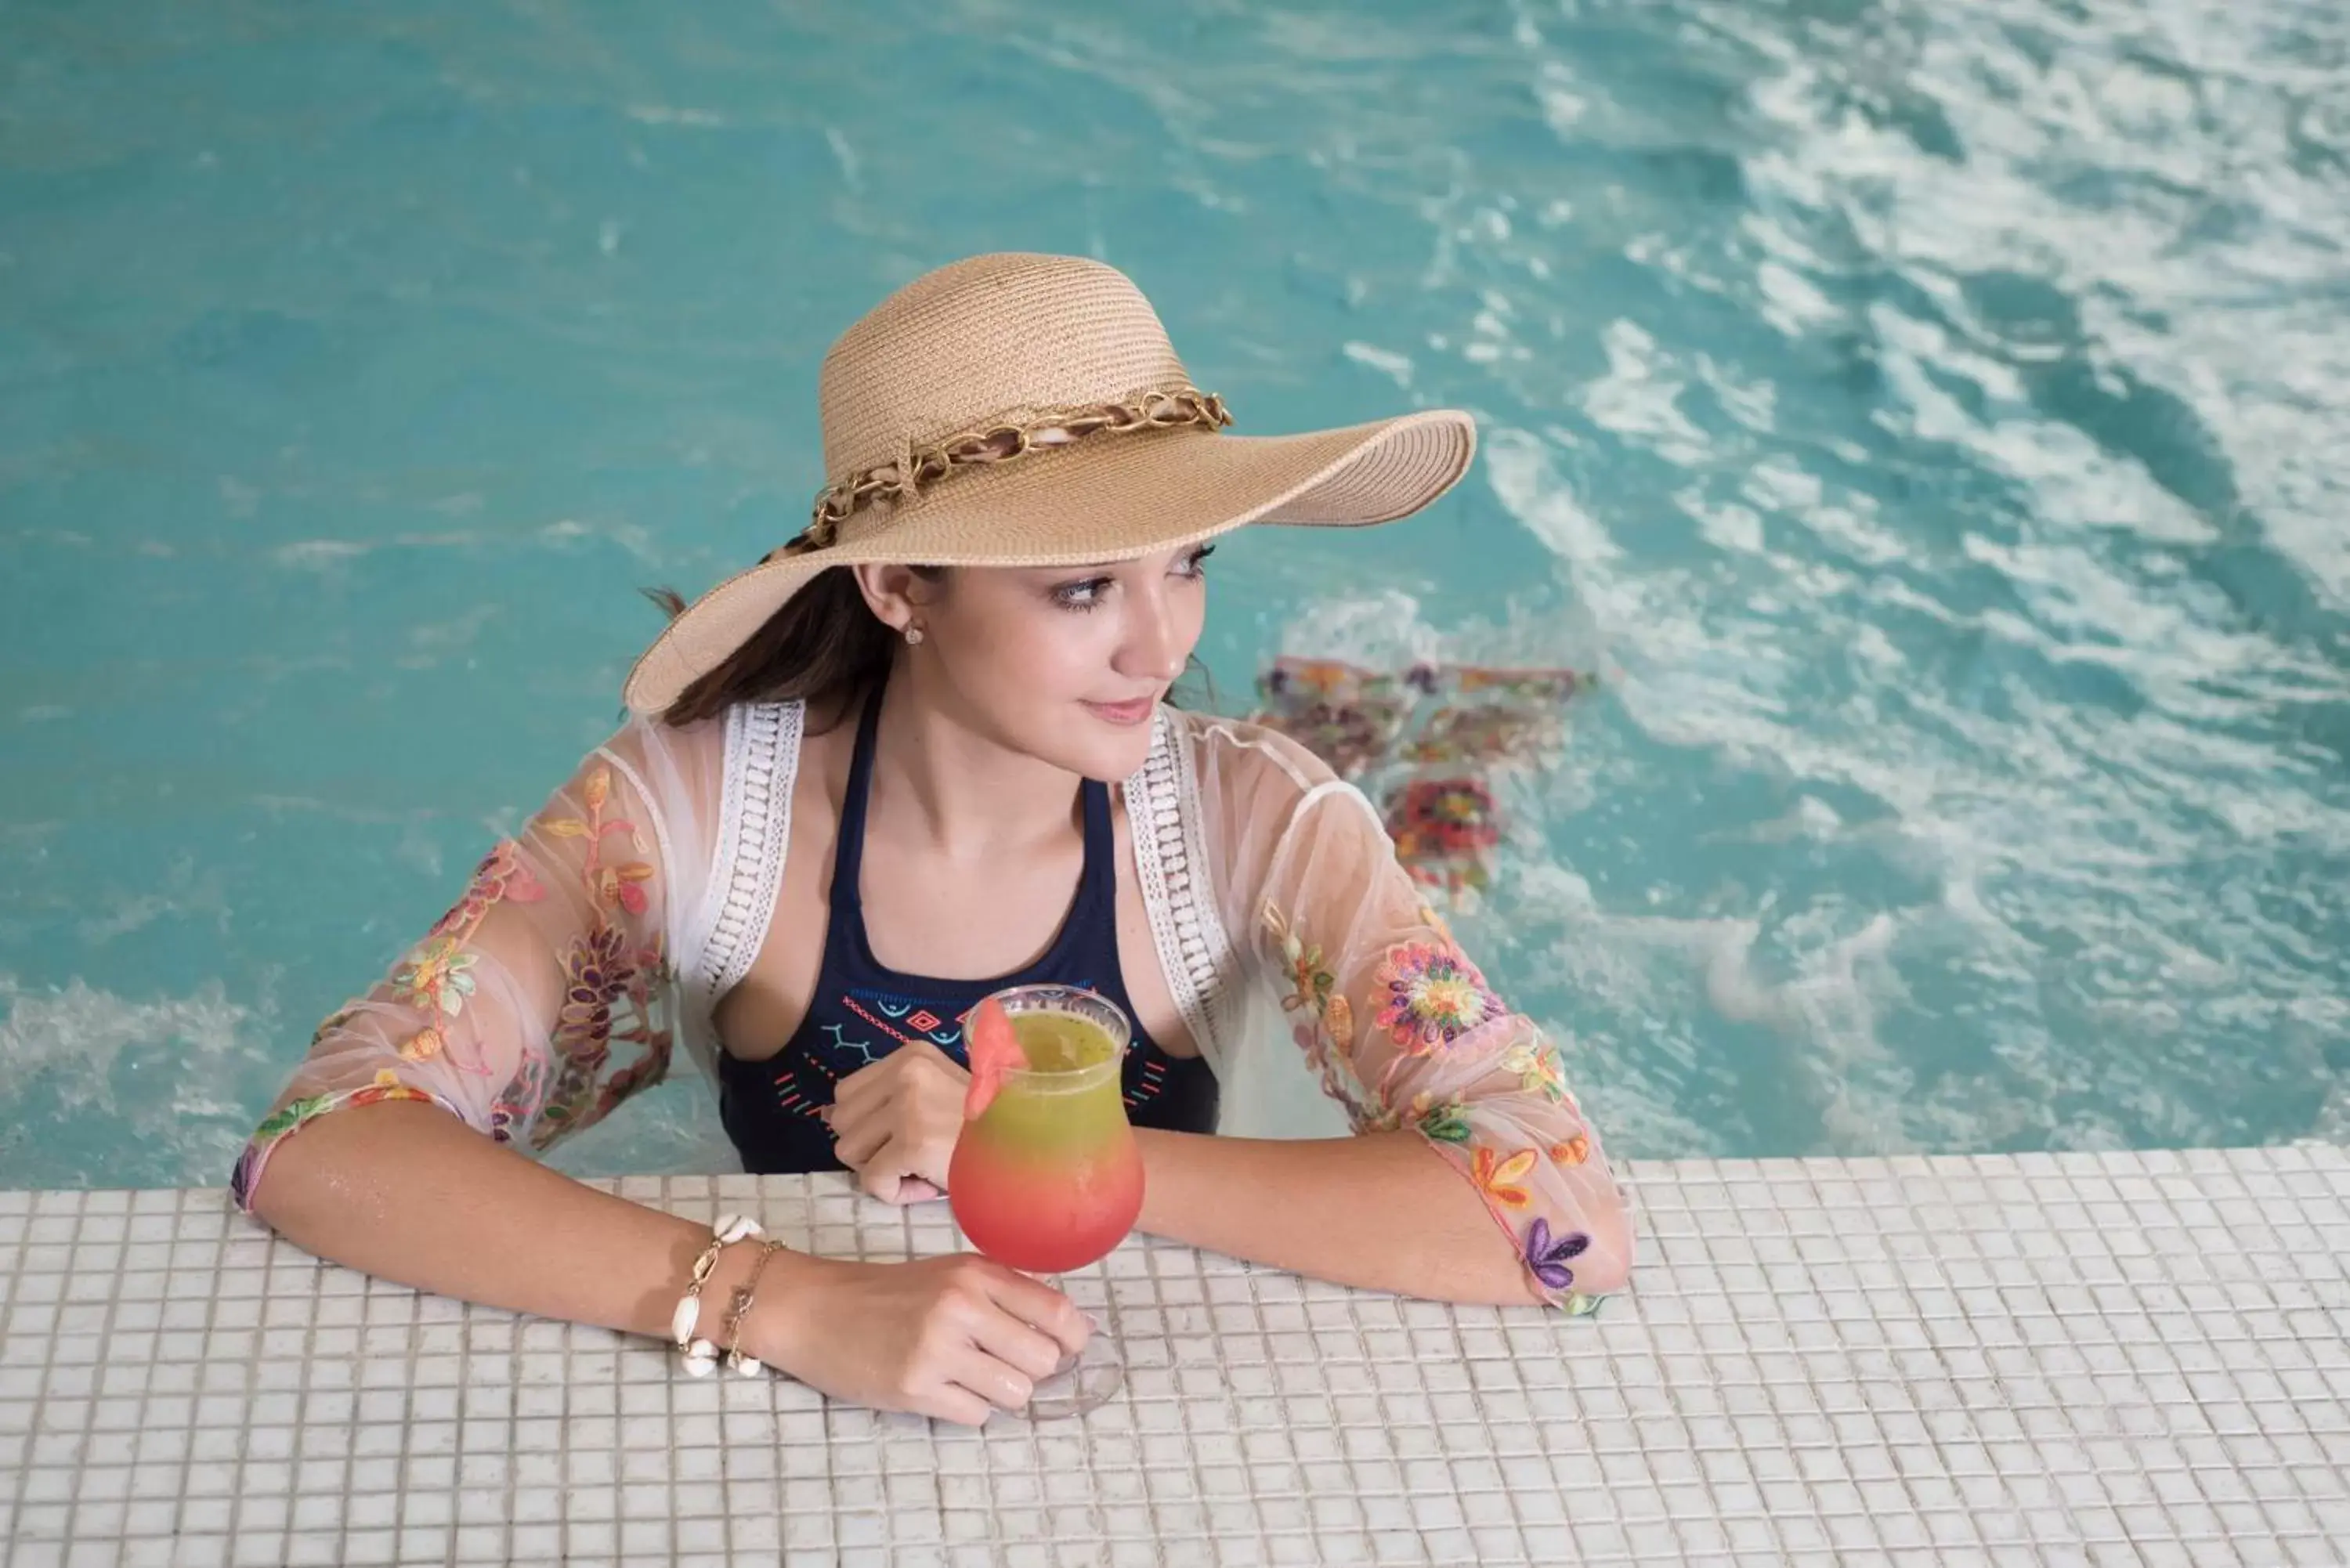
(992, 339)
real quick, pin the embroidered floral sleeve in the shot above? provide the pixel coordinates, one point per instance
(538, 1002)
(1399, 1023)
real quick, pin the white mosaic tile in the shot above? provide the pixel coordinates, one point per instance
(2138, 1359)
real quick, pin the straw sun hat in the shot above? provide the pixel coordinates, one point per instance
(1027, 411)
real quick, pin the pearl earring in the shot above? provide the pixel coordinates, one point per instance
(913, 636)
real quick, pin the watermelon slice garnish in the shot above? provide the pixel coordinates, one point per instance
(995, 1049)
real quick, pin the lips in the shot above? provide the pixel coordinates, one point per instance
(1128, 713)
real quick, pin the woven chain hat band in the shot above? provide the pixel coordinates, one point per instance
(1001, 442)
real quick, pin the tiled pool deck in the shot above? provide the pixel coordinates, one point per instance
(2138, 1359)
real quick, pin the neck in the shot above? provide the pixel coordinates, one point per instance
(967, 794)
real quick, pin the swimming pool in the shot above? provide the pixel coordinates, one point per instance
(1930, 420)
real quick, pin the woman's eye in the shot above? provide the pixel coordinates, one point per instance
(1088, 594)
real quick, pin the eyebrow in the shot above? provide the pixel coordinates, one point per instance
(1125, 561)
(1113, 566)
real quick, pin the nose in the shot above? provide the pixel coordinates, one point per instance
(1153, 647)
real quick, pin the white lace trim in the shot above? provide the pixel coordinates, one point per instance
(754, 829)
(762, 760)
(1171, 857)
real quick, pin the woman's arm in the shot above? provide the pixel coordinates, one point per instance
(537, 1005)
(409, 1193)
(1473, 1174)
(1430, 1238)
(533, 1008)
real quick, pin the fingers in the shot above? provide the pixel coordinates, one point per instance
(1002, 1386)
(894, 1174)
(876, 1179)
(948, 1402)
(952, 1374)
(901, 1136)
(876, 1081)
(970, 1328)
(866, 1083)
(1051, 1312)
(912, 1089)
(1026, 1350)
(928, 1338)
(857, 1138)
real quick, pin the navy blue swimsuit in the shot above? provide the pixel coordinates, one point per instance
(862, 1011)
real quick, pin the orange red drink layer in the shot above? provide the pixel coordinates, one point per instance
(1045, 1177)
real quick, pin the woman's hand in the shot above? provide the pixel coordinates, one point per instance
(895, 1123)
(956, 1338)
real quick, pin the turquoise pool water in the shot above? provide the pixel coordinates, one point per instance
(1934, 420)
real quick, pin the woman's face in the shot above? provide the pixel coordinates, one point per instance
(1066, 664)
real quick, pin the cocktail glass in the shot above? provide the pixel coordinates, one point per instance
(1047, 1179)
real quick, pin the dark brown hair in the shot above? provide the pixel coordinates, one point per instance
(826, 647)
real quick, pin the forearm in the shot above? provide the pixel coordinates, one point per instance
(406, 1192)
(1381, 1211)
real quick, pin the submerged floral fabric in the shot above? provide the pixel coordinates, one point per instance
(1430, 742)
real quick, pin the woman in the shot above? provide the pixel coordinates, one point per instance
(919, 753)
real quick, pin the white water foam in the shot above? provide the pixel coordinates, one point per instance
(74, 1034)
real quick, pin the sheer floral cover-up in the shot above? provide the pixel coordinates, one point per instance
(587, 948)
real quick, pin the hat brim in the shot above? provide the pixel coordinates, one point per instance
(1107, 498)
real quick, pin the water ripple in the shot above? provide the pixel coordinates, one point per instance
(1931, 417)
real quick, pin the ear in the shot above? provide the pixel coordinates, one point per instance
(891, 592)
